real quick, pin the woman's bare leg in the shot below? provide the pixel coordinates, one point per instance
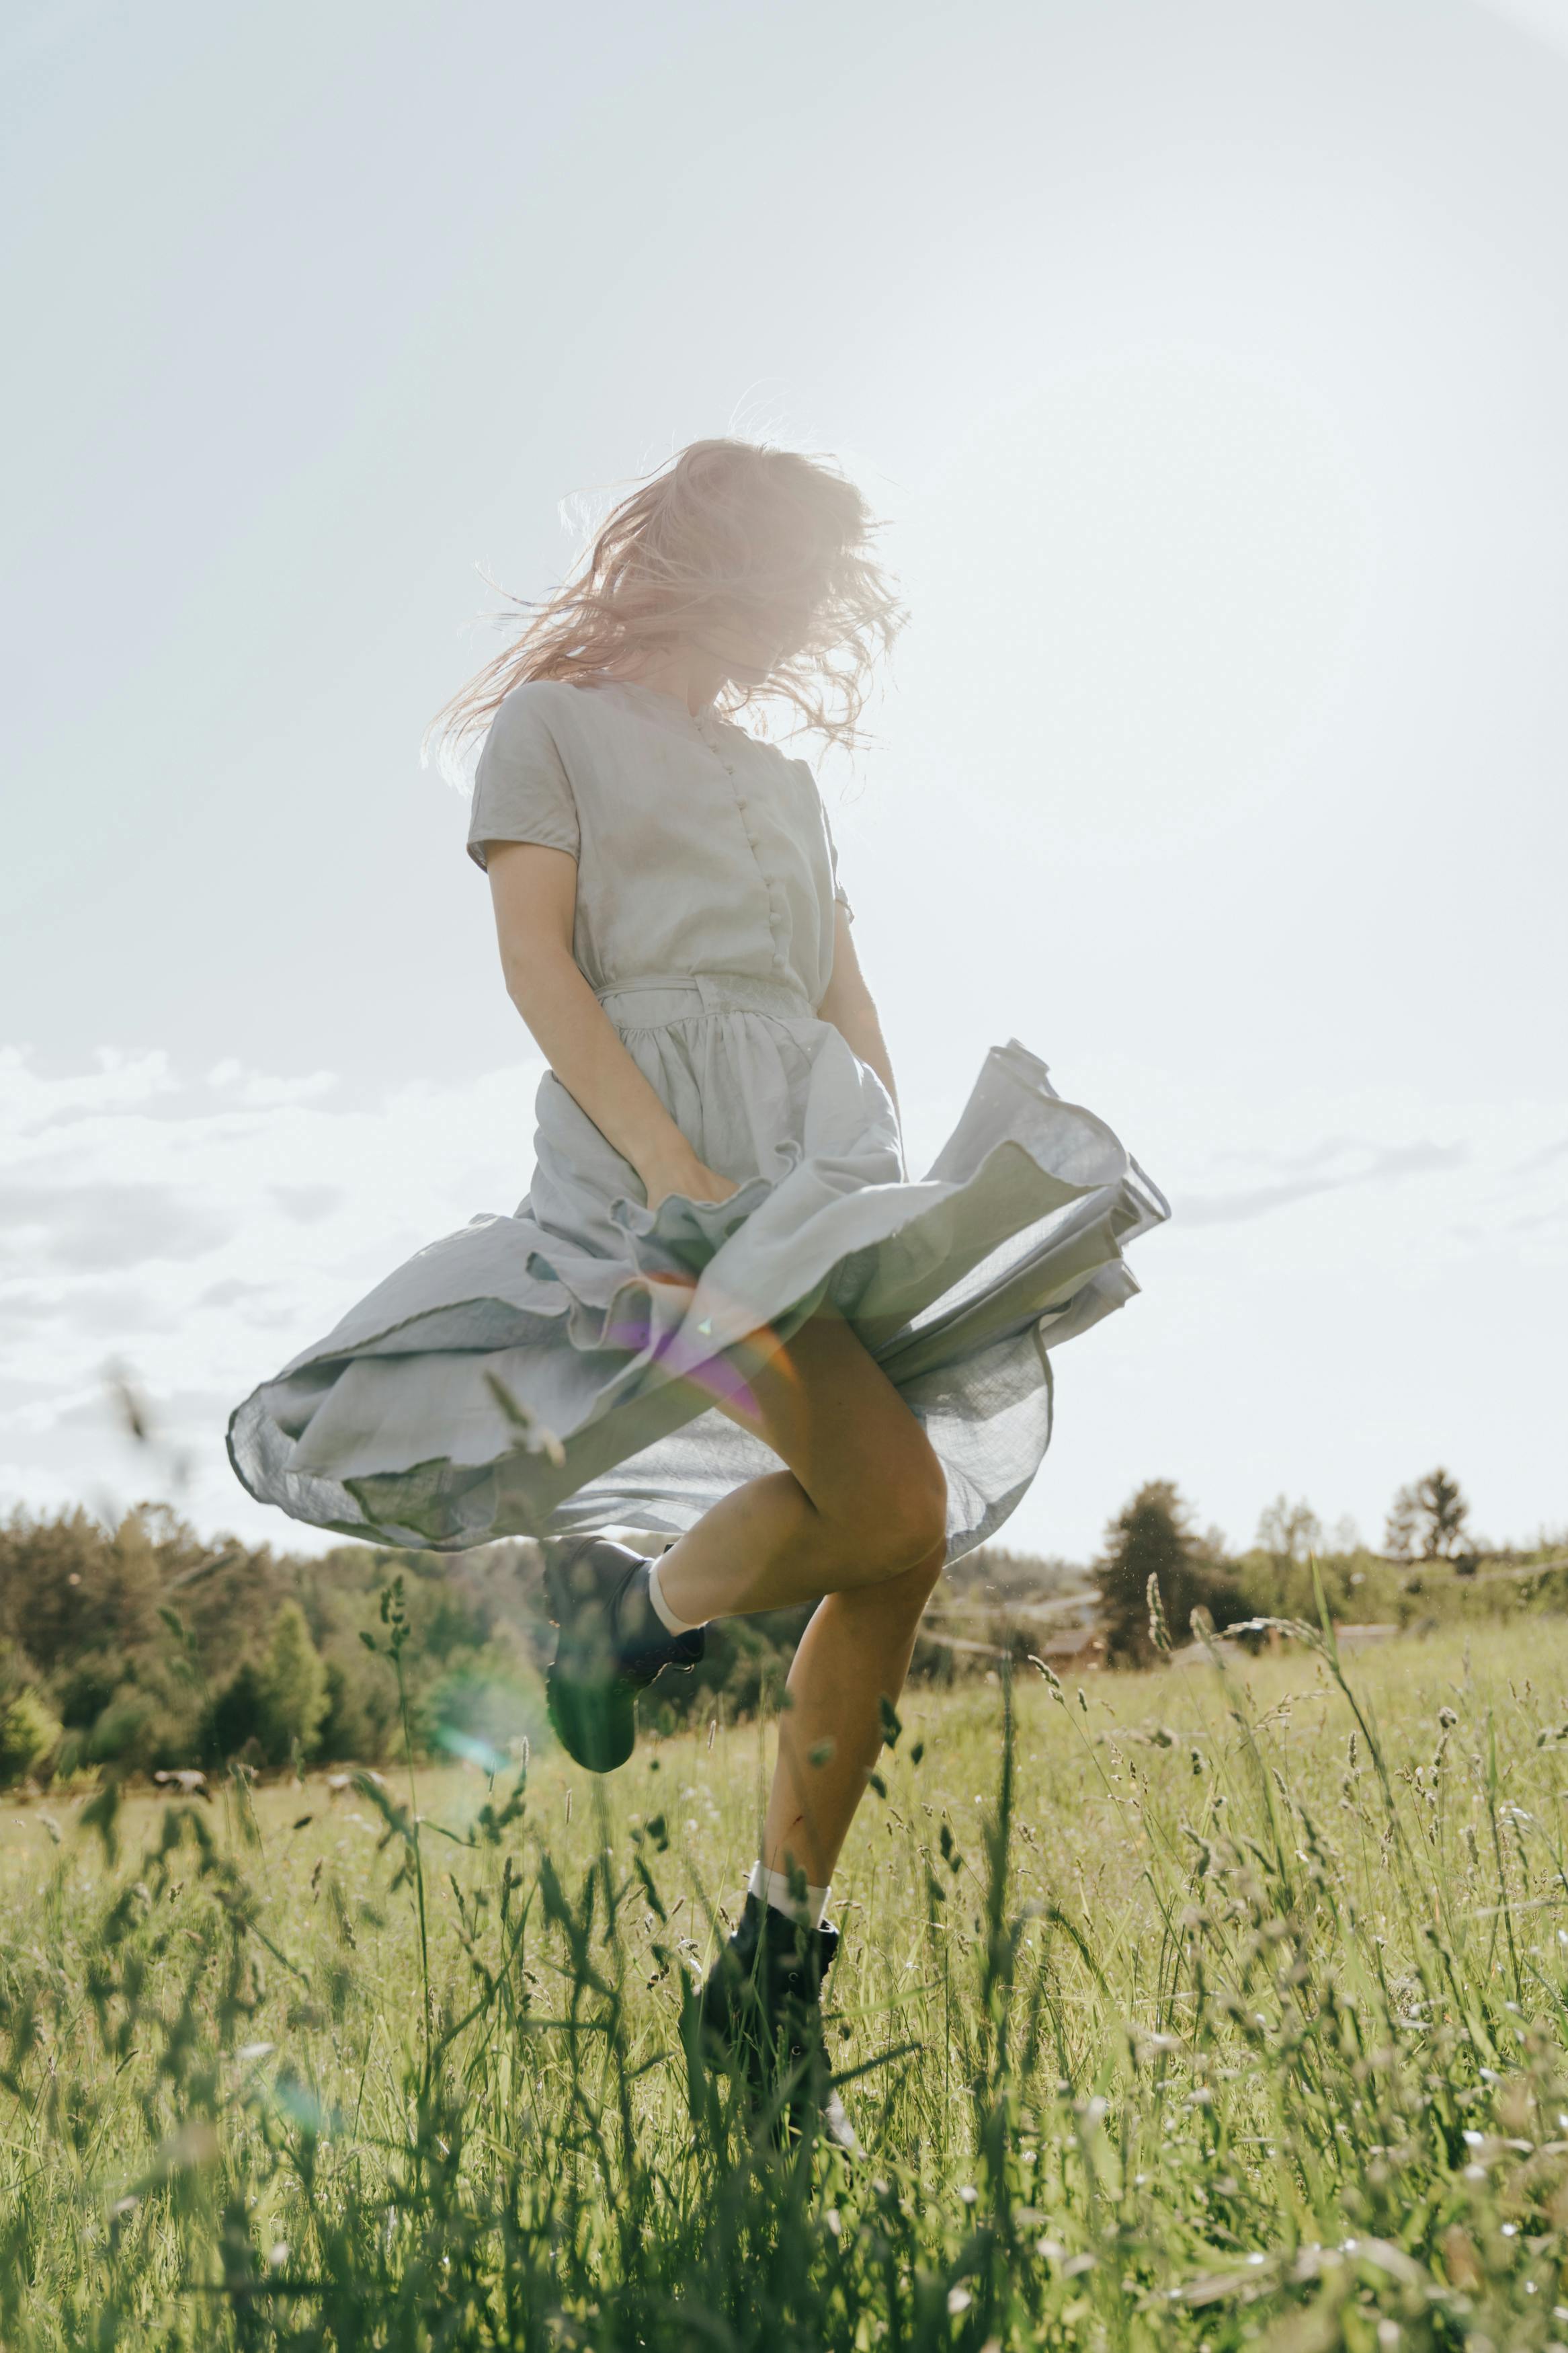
(862, 1501)
(854, 1652)
(859, 1516)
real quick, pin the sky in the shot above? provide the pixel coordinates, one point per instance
(1207, 363)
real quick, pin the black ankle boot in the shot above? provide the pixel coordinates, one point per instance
(762, 2006)
(613, 1645)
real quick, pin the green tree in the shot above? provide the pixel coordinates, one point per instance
(1153, 1536)
(1403, 1526)
(68, 1586)
(360, 1715)
(293, 1687)
(30, 1730)
(1292, 1532)
(28, 1735)
(237, 1717)
(1289, 1534)
(1429, 1518)
(1444, 1513)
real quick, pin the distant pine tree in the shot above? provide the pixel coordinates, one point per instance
(1153, 1536)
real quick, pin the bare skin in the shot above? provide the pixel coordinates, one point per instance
(857, 1519)
(859, 1516)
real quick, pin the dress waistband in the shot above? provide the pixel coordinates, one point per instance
(700, 992)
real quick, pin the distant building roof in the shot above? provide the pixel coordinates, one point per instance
(1072, 1643)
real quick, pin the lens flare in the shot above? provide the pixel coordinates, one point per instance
(470, 1748)
(719, 1376)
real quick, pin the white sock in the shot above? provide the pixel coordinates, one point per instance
(772, 1887)
(671, 1620)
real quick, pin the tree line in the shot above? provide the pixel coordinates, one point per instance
(1418, 1578)
(143, 1648)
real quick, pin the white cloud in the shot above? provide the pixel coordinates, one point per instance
(1318, 1170)
(198, 1232)
(1328, 1250)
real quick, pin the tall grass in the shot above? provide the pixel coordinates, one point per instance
(1191, 2010)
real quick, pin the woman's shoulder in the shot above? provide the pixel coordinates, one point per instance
(524, 789)
(536, 702)
(547, 717)
(806, 774)
(775, 754)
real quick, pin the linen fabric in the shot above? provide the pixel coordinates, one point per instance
(555, 1371)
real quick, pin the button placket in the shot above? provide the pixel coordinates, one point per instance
(709, 735)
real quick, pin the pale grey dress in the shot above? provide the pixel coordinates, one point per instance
(554, 1370)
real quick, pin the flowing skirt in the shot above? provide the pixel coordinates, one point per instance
(557, 1370)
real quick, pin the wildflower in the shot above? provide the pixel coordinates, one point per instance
(1159, 1632)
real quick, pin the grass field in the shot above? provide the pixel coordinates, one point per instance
(1196, 2009)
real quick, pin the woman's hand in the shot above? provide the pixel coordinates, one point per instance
(535, 895)
(683, 1173)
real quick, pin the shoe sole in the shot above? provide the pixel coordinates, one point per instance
(592, 1706)
(595, 1724)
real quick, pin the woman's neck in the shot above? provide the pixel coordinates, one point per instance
(685, 672)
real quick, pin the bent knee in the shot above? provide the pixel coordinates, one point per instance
(898, 1527)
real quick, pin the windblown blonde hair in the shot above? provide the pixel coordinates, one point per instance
(729, 530)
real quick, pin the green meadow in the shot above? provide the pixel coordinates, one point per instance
(1200, 2008)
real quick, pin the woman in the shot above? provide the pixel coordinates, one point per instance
(722, 1312)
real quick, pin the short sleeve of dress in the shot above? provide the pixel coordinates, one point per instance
(522, 792)
(839, 892)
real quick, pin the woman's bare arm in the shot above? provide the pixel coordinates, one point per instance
(851, 1008)
(534, 892)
